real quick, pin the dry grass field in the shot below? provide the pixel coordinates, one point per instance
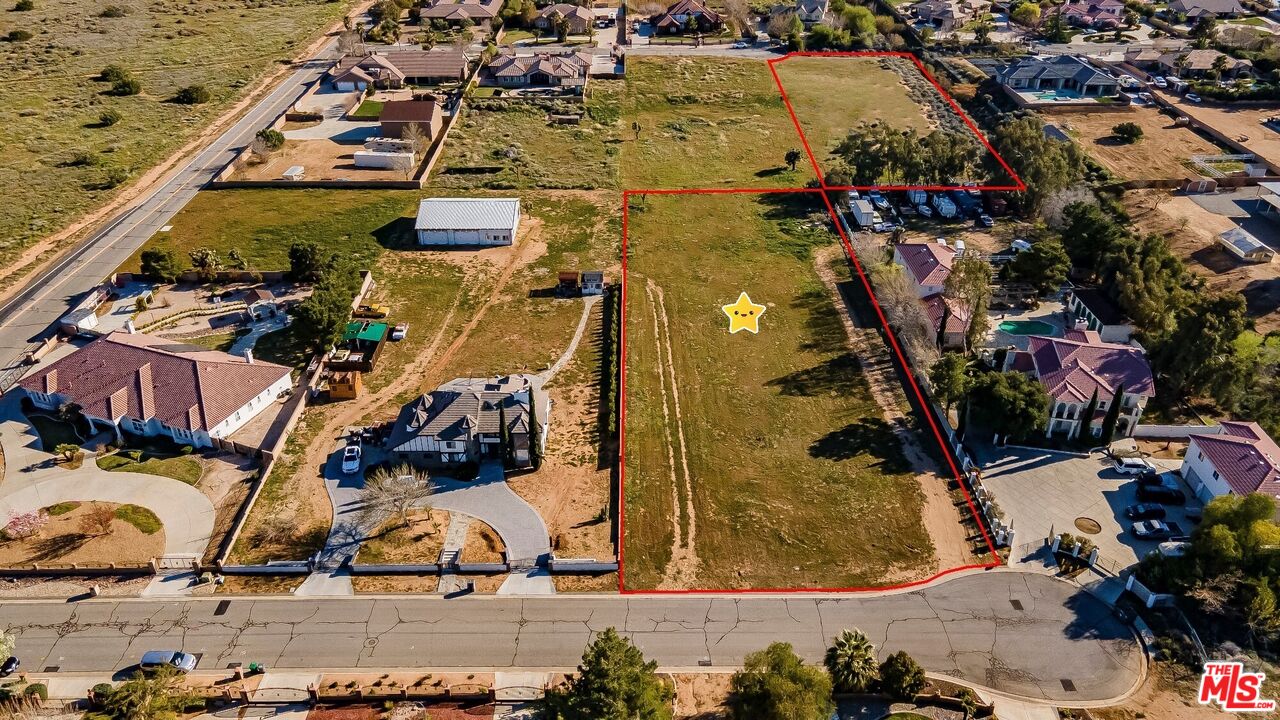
(753, 461)
(1161, 153)
(59, 160)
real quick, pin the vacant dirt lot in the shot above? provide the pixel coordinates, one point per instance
(1158, 155)
(322, 159)
(1243, 124)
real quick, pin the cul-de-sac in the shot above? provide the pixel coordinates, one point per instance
(623, 359)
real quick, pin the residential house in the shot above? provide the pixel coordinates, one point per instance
(151, 386)
(467, 221)
(1240, 458)
(1059, 73)
(1074, 367)
(812, 12)
(578, 19)
(458, 12)
(361, 72)
(927, 264)
(1245, 246)
(957, 316)
(1196, 9)
(1199, 63)
(592, 282)
(1101, 14)
(462, 421)
(684, 15)
(949, 15)
(397, 115)
(397, 68)
(545, 69)
(1095, 311)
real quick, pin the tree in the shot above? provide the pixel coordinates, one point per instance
(155, 696)
(1197, 355)
(982, 33)
(236, 260)
(535, 432)
(97, 520)
(273, 138)
(321, 318)
(68, 451)
(1009, 404)
(160, 264)
(1027, 14)
(775, 684)
(206, 262)
(614, 682)
(1045, 266)
(193, 95)
(793, 157)
(306, 261)
(505, 447)
(1205, 27)
(860, 22)
(1089, 234)
(851, 661)
(1127, 132)
(1112, 417)
(1086, 418)
(562, 27)
(1046, 165)
(901, 677)
(949, 378)
(394, 490)
(1262, 614)
(969, 284)
(25, 524)
(417, 138)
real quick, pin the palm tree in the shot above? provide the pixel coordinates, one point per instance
(851, 660)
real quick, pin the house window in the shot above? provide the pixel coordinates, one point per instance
(1200, 456)
(1215, 474)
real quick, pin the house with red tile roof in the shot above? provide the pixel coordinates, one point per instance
(928, 265)
(1238, 458)
(154, 386)
(957, 316)
(1101, 14)
(685, 14)
(1074, 367)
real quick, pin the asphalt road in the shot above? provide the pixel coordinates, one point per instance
(1023, 634)
(48, 295)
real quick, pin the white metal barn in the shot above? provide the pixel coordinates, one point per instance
(468, 221)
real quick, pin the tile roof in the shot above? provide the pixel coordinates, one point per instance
(561, 65)
(364, 67)
(409, 111)
(1071, 370)
(1245, 457)
(467, 213)
(462, 10)
(957, 321)
(684, 8)
(1217, 7)
(436, 62)
(928, 263)
(461, 410)
(184, 386)
(567, 10)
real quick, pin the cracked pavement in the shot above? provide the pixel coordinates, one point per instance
(967, 628)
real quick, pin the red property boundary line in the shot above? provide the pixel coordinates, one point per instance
(884, 323)
(1017, 186)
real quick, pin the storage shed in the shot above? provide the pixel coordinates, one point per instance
(1240, 243)
(467, 221)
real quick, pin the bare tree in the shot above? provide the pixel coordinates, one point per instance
(779, 24)
(259, 151)
(1051, 209)
(405, 164)
(97, 520)
(416, 137)
(739, 15)
(351, 42)
(394, 490)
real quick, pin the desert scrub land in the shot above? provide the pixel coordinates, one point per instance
(752, 461)
(62, 158)
(706, 122)
(513, 144)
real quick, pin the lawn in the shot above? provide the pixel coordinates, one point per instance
(787, 456)
(182, 467)
(57, 155)
(262, 223)
(368, 110)
(510, 144)
(705, 122)
(141, 518)
(218, 341)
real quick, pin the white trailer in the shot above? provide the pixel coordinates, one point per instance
(945, 206)
(863, 212)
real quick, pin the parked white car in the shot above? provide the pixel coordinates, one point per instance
(1160, 83)
(1192, 97)
(351, 460)
(1132, 466)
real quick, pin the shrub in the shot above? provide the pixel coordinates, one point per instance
(37, 689)
(113, 73)
(134, 455)
(186, 449)
(82, 158)
(62, 508)
(24, 5)
(126, 86)
(274, 139)
(115, 176)
(109, 118)
(19, 35)
(113, 11)
(1127, 132)
(901, 677)
(101, 690)
(193, 95)
(141, 518)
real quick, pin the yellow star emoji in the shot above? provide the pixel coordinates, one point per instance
(743, 315)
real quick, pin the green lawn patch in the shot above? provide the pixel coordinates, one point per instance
(221, 341)
(141, 518)
(511, 37)
(62, 508)
(182, 467)
(283, 347)
(54, 432)
(368, 110)
(787, 452)
(53, 107)
(1254, 21)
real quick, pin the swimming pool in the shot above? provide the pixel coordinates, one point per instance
(1026, 327)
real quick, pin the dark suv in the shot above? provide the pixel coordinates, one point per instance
(1161, 494)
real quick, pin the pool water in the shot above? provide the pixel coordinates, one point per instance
(1026, 327)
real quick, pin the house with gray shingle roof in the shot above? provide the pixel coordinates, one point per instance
(462, 421)
(1075, 367)
(1064, 76)
(1235, 458)
(154, 386)
(1196, 9)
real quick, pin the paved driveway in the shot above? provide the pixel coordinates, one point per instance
(32, 481)
(489, 498)
(1040, 491)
